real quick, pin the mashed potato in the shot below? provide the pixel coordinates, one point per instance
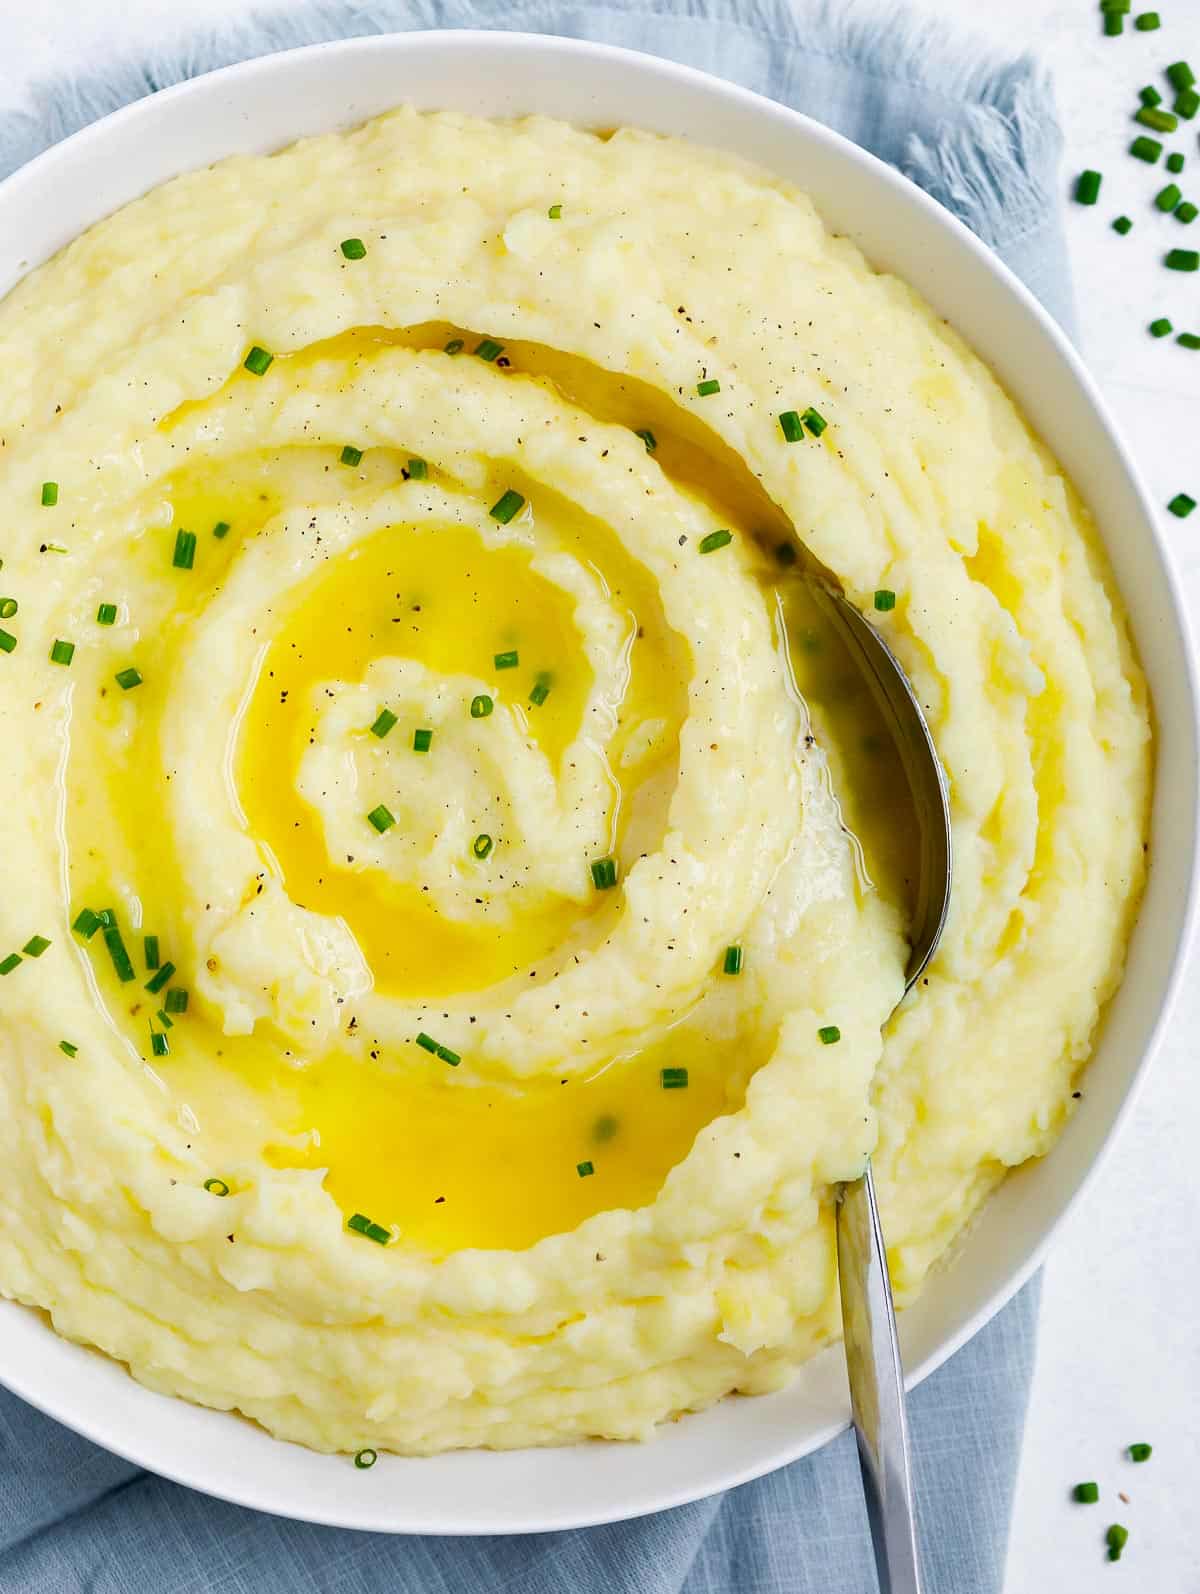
(475, 887)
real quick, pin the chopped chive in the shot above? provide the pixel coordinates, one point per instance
(1167, 198)
(150, 951)
(373, 1231)
(555, 212)
(1188, 340)
(604, 873)
(418, 470)
(106, 614)
(7, 641)
(49, 494)
(382, 818)
(383, 723)
(1161, 121)
(1161, 328)
(506, 661)
(1122, 224)
(365, 1458)
(221, 529)
(541, 691)
(422, 741)
(160, 1046)
(61, 652)
(885, 600)
(1147, 22)
(1114, 24)
(258, 360)
(8, 607)
(1180, 75)
(482, 845)
(1187, 103)
(167, 1023)
(128, 679)
(506, 506)
(1150, 95)
(1116, 1538)
(116, 951)
(673, 1078)
(184, 556)
(159, 978)
(216, 1187)
(707, 388)
(1186, 213)
(1124, 6)
(489, 349)
(427, 1042)
(1182, 505)
(447, 1056)
(69, 1047)
(715, 540)
(1086, 1493)
(8, 964)
(481, 704)
(1183, 260)
(86, 923)
(647, 437)
(829, 1035)
(791, 426)
(177, 1000)
(584, 1169)
(107, 916)
(1146, 149)
(815, 421)
(353, 248)
(455, 346)
(35, 946)
(350, 455)
(1140, 1452)
(733, 960)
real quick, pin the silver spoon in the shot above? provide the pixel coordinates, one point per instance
(868, 1312)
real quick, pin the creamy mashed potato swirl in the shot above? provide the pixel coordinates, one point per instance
(475, 885)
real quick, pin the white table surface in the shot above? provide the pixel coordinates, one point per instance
(1119, 1350)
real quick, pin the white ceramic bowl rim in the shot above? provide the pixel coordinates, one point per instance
(266, 103)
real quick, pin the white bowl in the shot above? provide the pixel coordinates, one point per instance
(267, 103)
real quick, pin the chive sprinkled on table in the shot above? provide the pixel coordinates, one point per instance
(1167, 198)
(604, 873)
(365, 1458)
(1188, 340)
(1114, 24)
(128, 679)
(708, 387)
(715, 540)
(1147, 22)
(1150, 95)
(481, 704)
(49, 494)
(61, 652)
(1186, 212)
(1155, 117)
(829, 1035)
(350, 455)
(353, 248)
(1161, 328)
(1174, 162)
(106, 614)
(1140, 1452)
(382, 818)
(383, 723)
(506, 506)
(1122, 224)
(216, 1187)
(1086, 1493)
(673, 1078)
(1183, 260)
(1180, 75)
(422, 740)
(1116, 1538)
(1182, 505)
(1146, 149)
(258, 361)
(1087, 187)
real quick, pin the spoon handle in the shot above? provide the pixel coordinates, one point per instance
(877, 1387)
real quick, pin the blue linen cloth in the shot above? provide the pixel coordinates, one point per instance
(980, 135)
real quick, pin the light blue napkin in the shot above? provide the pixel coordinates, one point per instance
(981, 136)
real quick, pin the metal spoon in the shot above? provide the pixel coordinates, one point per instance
(868, 1313)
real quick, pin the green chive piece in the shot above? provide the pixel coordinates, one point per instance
(383, 723)
(455, 346)
(1182, 505)
(447, 1056)
(815, 421)
(1188, 340)
(506, 661)
(648, 438)
(359, 1223)
(7, 641)
(365, 1458)
(184, 556)
(733, 960)
(506, 506)
(216, 1187)
(830, 1035)
(418, 470)
(1186, 213)
(160, 1046)
(35, 946)
(1150, 95)
(8, 607)
(1146, 149)
(715, 540)
(159, 978)
(1147, 22)
(86, 923)
(791, 426)
(128, 679)
(489, 349)
(482, 705)
(221, 529)
(1140, 1452)
(106, 614)
(673, 1078)
(541, 691)
(1161, 328)
(107, 916)
(1114, 24)
(707, 388)
(482, 845)
(49, 494)
(177, 1000)
(555, 212)
(69, 1047)
(1167, 198)
(166, 1022)
(350, 455)
(382, 818)
(1187, 103)
(353, 248)
(422, 741)
(1086, 1493)
(150, 951)
(373, 1231)
(584, 1169)
(61, 652)
(604, 874)
(258, 361)
(116, 951)
(1161, 121)
(1122, 224)
(427, 1042)
(1183, 260)
(1116, 1538)
(8, 964)
(1180, 75)
(885, 600)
